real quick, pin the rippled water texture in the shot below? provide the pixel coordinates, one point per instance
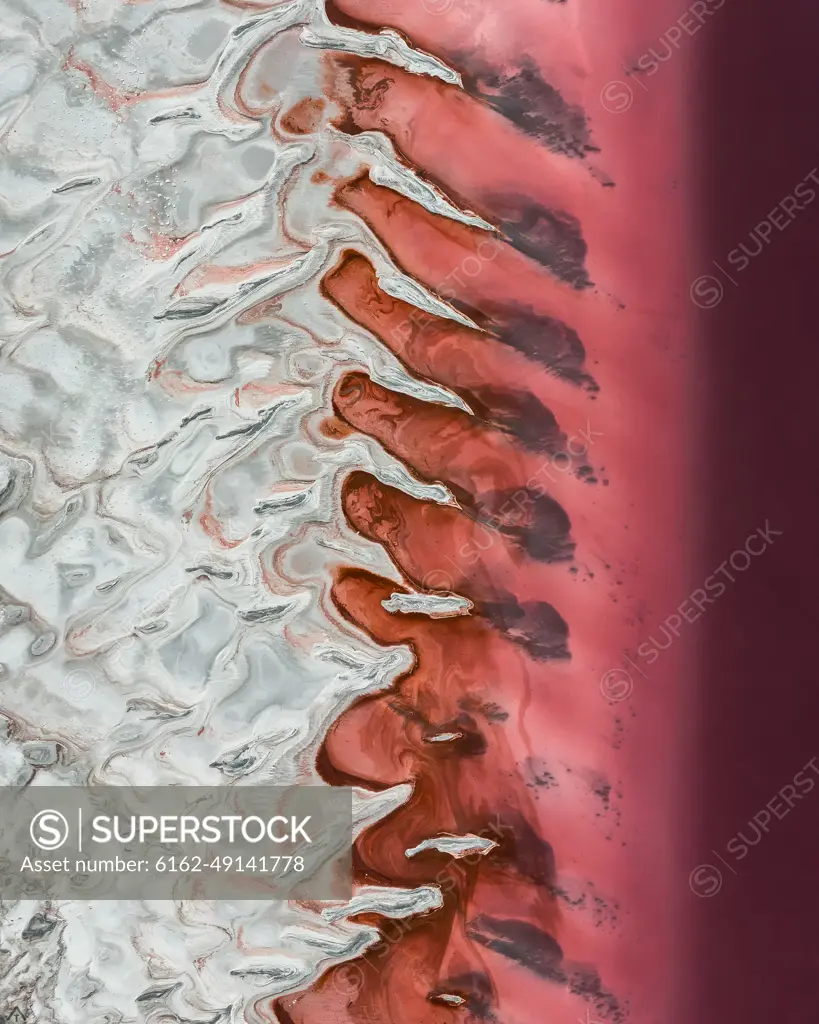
(333, 353)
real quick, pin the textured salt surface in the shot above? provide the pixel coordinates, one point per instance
(170, 520)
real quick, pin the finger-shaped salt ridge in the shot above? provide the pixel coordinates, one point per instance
(389, 470)
(436, 606)
(371, 806)
(340, 694)
(455, 846)
(405, 288)
(285, 501)
(386, 45)
(362, 671)
(393, 376)
(276, 974)
(410, 186)
(270, 613)
(342, 940)
(384, 368)
(395, 903)
(387, 170)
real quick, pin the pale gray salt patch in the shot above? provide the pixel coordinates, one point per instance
(75, 575)
(257, 161)
(455, 846)
(43, 644)
(38, 927)
(17, 76)
(437, 606)
(207, 39)
(39, 753)
(55, 527)
(13, 615)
